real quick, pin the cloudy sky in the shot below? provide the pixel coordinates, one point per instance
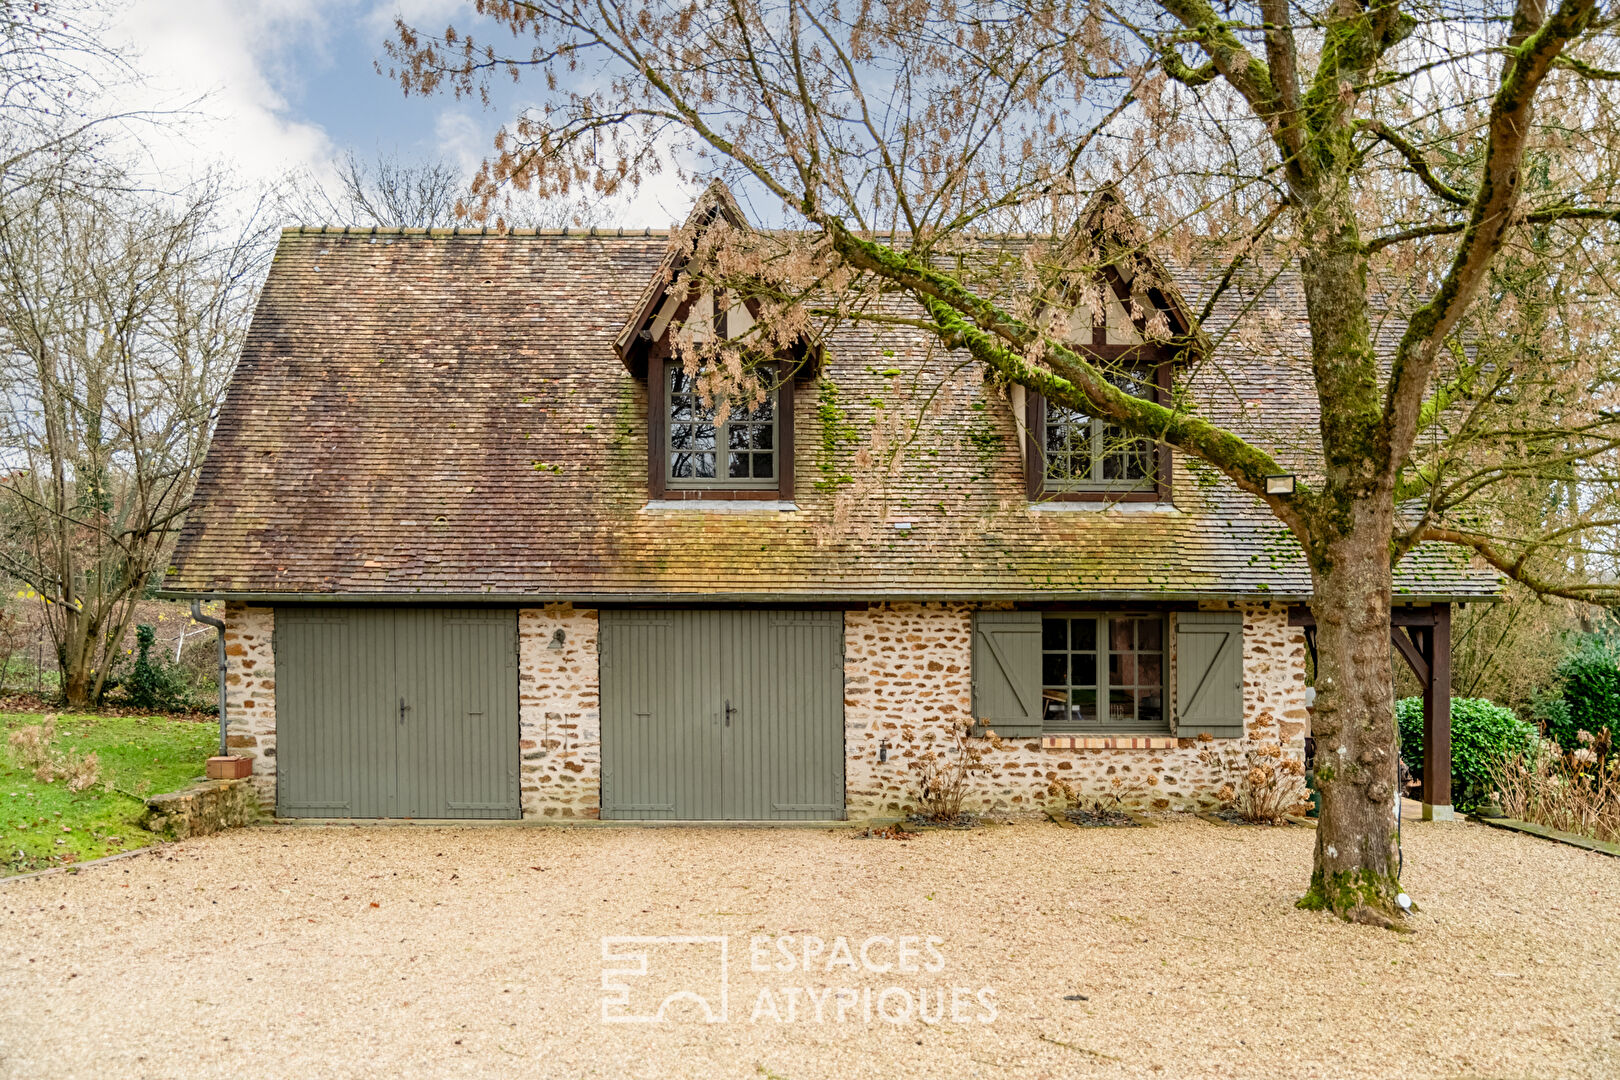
(288, 85)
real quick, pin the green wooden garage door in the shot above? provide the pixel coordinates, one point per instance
(396, 712)
(734, 715)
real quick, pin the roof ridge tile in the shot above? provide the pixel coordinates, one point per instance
(599, 232)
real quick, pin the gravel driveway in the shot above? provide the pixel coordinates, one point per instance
(450, 952)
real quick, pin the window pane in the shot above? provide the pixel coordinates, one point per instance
(680, 437)
(1085, 706)
(737, 436)
(680, 409)
(1119, 634)
(1150, 635)
(762, 436)
(1121, 705)
(1138, 467)
(1084, 632)
(738, 467)
(1085, 669)
(1053, 702)
(1150, 706)
(1148, 671)
(1054, 633)
(703, 437)
(762, 466)
(1054, 669)
(1121, 669)
(681, 466)
(705, 466)
(1057, 437)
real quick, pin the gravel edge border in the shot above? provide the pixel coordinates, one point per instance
(1530, 828)
(76, 867)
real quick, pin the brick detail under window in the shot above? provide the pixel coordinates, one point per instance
(1111, 742)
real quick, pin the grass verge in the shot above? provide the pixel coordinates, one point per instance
(44, 825)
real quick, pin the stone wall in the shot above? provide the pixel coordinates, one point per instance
(559, 712)
(202, 810)
(908, 680)
(250, 692)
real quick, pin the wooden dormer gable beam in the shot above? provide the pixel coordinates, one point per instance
(1113, 229)
(656, 308)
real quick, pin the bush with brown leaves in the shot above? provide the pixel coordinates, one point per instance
(1271, 789)
(1574, 791)
(943, 775)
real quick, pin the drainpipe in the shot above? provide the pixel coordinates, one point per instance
(217, 624)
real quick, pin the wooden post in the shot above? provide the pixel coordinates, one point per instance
(1437, 720)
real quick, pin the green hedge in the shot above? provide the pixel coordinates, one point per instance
(1589, 679)
(1483, 735)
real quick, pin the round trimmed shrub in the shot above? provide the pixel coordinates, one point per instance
(1483, 736)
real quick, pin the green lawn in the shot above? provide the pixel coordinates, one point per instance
(44, 824)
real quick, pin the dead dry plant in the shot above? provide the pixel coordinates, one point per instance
(1272, 788)
(944, 775)
(31, 748)
(1575, 791)
(31, 745)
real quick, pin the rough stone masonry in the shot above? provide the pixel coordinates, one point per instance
(907, 680)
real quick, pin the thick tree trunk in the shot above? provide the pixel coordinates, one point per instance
(1356, 867)
(76, 686)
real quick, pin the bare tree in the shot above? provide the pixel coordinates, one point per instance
(428, 194)
(387, 193)
(1388, 151)
(56, 70)
(120, 321)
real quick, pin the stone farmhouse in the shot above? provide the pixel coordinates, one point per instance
(485, 553)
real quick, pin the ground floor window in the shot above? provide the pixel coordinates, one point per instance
(1103, 673)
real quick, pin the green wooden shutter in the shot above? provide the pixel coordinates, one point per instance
(1209, 674)
(1007, 672)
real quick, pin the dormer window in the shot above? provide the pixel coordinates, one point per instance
(693, 453)
(1087, 454)
(739, 452)
(1074, 456)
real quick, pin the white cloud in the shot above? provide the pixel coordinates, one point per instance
(461, 139)
(220, 58)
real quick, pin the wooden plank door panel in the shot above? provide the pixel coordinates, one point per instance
(336, 733)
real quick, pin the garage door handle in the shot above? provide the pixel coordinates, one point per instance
(730, 709)
(403, 708)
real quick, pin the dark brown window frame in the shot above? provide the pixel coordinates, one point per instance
(1035, 440)
(658, 487)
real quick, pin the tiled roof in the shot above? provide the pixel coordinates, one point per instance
(442, 414)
